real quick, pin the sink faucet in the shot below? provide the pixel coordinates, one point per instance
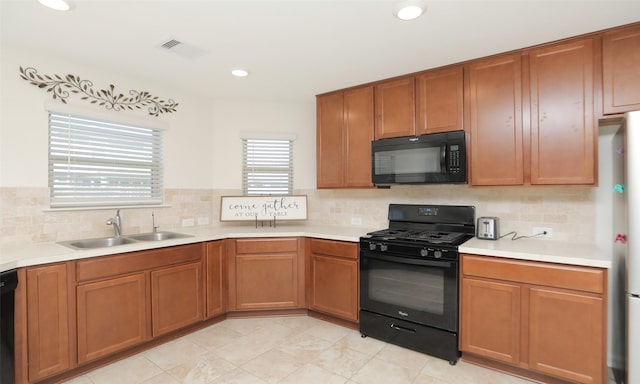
(153, 222)
(117, 223)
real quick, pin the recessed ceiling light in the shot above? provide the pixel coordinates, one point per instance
(58, 5)
(409, 10)
(239, 73)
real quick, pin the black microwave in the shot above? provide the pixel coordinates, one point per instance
(436, 158)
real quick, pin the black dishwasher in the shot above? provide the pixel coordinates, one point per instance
(8, 284)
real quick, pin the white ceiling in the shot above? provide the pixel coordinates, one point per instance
(294, 49)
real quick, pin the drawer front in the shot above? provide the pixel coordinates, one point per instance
(267, 245)
(108, 266)
(538, 273)
(335, 248)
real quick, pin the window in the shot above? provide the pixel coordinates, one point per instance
(96, 163)
(267, 167)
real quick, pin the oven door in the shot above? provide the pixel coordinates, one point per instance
(417, 290)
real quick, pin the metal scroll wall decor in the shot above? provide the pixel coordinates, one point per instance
(62, 87)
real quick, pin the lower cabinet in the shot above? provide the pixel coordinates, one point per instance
(112, 316)
(490, 324)
(127, 299)
(215, 279)
(266, 273)
(49, 312)
(549, 319)
(79, 312)
(176, 297)
(566, 335)
(333, 282)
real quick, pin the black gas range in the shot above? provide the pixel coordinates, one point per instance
(409, 277)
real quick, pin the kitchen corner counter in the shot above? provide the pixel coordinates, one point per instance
(587, 255)
(25, 255)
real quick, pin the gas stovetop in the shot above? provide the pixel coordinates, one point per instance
(422, 229)
(431, 237)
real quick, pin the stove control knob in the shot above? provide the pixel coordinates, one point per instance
(424, 252)
(437, 254)
(372, 246)
(383, 247)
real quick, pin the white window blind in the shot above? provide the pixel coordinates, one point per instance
(96, 163)
(267, 166)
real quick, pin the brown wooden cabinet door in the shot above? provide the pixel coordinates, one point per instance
(112, 316)
(267, 281)
(358, 134)
(334, 286)
(439, 100)
(176, 297)
(567, 335)
(563, 136)
(495, 102)
(395, 108)
(490, 319)
(215, 281)
(48, 313)
(265, 274)
(621, 70)
(329, 136)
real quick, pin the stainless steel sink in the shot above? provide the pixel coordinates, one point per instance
(105, 242)
(158, 236)
(101, 242)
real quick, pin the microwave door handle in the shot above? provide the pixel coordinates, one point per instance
(443, 158)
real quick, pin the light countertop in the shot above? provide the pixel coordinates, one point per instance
(540, 250)
(525, 249)
(25, 255)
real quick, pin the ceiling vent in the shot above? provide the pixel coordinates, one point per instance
(170, 44)
(185, 50)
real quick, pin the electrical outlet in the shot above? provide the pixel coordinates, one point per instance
(547, 235)
(356, 221)
(188, 222)
(203, 220)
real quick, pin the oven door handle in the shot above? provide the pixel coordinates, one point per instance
(403, 260)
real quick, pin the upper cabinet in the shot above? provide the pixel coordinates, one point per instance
(532, 118)
(395, 108)
(496, 136)
(563, 134)
(530, 115)
(344, 135)
(621, 70)
(439, 100)
(429, 102)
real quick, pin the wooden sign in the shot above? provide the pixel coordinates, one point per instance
(248, 208)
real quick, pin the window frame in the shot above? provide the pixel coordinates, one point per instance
(277, 164)
(138, 158)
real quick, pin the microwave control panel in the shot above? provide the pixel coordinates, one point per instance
(454, 159)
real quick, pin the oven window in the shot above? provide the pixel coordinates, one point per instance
(409, 286)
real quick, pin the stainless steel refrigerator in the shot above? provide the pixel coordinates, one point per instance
(632, 240)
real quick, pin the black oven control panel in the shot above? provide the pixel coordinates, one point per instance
(413, 250)
(427, 211)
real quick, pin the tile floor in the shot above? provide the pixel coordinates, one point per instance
(282, 350)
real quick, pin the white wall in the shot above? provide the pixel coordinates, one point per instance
(231, 119)
(24, 128)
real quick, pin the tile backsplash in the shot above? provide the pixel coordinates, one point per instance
(570, 211)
